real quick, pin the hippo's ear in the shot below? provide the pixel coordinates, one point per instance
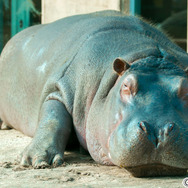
(120, 66)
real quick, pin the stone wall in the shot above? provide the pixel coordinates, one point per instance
(56, 9)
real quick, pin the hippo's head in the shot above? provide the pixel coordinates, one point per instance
(148, 118)
(150, 135)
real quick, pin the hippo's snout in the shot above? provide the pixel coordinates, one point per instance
(163, 136)
(145, 151)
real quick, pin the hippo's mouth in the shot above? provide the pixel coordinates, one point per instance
(156, 170)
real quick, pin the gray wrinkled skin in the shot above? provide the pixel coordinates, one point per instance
(61, 74)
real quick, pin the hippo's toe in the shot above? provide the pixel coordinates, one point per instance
(57, 160)
(40, 164)
(24, 161)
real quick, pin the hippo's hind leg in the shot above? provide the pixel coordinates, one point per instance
(1, 123)
(4, 126)
(48, 145)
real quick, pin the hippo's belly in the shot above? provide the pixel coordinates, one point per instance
(25, 69)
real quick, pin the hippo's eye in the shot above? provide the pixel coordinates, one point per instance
(126, 90)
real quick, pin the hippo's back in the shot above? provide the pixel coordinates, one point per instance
(34, 60)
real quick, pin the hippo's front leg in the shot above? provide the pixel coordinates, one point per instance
(49, 142)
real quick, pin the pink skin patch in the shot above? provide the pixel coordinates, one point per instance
(127, 92)
(117, 121)
(183, 91)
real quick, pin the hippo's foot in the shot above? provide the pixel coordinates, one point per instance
(4, 126)
(49, 142)
(41, 156)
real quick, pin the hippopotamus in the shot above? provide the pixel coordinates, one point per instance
(114, 79)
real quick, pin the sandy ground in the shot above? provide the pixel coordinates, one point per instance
(78, 170)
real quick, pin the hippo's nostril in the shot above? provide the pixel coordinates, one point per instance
(156, 142)
(169, 127)
(142, 125)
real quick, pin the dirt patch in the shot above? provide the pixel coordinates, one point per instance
(78, 170)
